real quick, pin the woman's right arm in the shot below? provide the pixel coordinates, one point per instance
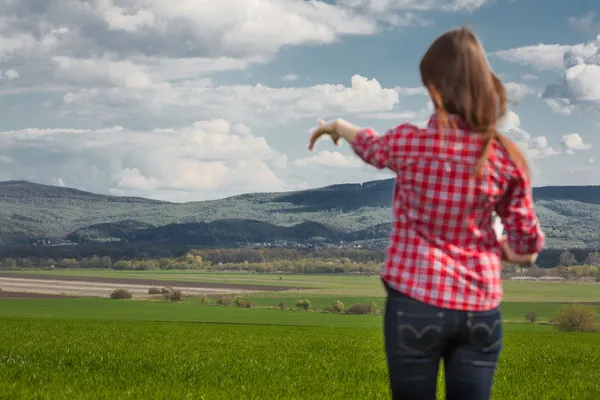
(381, 151)
(525, 238)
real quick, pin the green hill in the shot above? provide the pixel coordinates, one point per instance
(349, 212)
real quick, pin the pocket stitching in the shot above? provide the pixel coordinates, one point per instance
(490, 330)
(419, 334)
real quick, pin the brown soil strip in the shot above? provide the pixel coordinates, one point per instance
(153, 282)
(29, 296)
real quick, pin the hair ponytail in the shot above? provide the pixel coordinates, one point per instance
(485, 152)
(514, 152)
(511, 148)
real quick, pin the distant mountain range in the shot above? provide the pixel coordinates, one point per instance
(31, 212)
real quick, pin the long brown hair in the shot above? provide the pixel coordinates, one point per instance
(460, 81)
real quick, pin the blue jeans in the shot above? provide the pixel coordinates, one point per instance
(418, 336)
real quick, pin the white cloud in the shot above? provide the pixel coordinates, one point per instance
(538, 146)
(186, 28)
(207, 157)
(529, 77)
(142, 42)
(326, 158)
(516, 92)
(138, 42)
(246, 102)
(9, 74)
(578, 89)
(572, 142)
(382, 6)
(541, 57)
(579, 85)
(148, 60)
(67, 43)
(289, 77)
(534, 147)
(101, 72)
(403, 13)
(586, 23)
(411, 91)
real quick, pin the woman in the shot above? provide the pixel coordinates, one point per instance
(443, 267)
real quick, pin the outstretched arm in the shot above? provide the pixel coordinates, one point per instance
(337, 129)
(380, 151)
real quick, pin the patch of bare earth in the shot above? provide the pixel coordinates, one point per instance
(25, 295)
(102, 287)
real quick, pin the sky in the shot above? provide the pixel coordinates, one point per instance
(186, 100)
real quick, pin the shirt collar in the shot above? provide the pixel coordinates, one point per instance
(452, 119)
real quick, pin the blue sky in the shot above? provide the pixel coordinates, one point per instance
(195, 100)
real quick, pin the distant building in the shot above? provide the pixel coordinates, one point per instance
(552, 279)
(523, 279)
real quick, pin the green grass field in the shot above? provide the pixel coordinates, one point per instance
(93, 348)
(339, 285)
(47, 359)
(115, 310)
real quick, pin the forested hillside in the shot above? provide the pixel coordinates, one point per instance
(345, 213)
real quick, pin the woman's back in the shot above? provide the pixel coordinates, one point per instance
(436, 183)
(443, 249)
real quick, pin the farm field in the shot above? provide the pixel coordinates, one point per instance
(98, 348)
(70, 359)
(330, 285)
(189, 312)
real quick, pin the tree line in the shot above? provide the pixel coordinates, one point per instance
(194, 261)
(273, 260)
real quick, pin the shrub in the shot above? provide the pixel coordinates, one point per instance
(328, 309)
(204, 299)
(531, 317)
(154, 290)
(237, 301)
(374, 308)
(282, 305)
(223, 301)
(359, 309)
(305, 304)
(121, 294)
(577, 318)
(166, 291)
(174, 295)
(338, 306)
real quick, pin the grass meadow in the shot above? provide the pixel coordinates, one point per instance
(93, 348)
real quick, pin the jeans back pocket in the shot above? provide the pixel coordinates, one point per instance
(485, 329)
(420, 327)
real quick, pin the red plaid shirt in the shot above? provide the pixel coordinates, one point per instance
(443, 250)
